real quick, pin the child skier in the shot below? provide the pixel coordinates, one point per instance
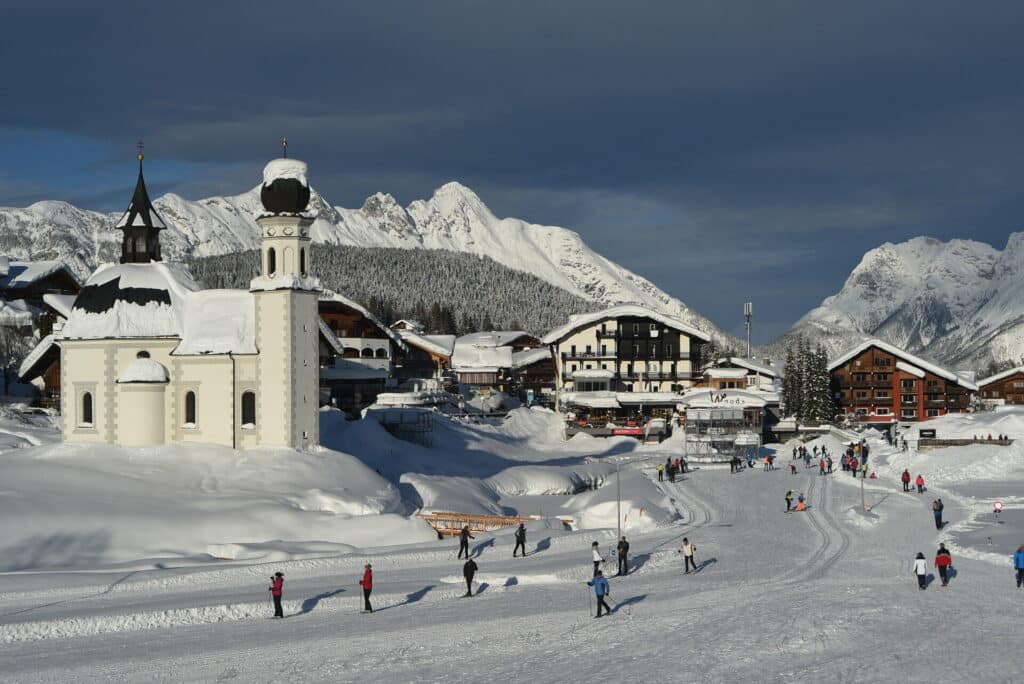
(688, 550)
(596, 556)
(921, 570)
(920, 484)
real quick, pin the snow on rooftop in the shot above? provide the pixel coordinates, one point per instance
(529, 357)
(492, 338)
(285, 168)
(487, 359)
(907, 368)
(15, 312)
(1000, 376)
(578, 321)
(332, 296)
(61, 303)
(283, 281)
(726, 372)
(752, 364)
(218, 322)
(344, 369)
(24, 273)
(143, 370)
(36, 355)
(442, 345)
(906, 356)
(131, 300)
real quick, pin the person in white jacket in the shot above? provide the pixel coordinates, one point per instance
(597, 558)
(921, 570)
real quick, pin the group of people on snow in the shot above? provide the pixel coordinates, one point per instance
(943, 563)
(905, 479)
(671, 468)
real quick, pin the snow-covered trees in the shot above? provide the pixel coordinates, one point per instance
(448, 292)
(806, 393)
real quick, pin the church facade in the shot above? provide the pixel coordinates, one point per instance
(149, 358)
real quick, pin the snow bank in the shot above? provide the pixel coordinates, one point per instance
(90, 505)
(1005, 420)
(957, 465)
(549, 480)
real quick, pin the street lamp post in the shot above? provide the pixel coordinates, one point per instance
(618, 497)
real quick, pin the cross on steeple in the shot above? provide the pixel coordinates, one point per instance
(284, 146)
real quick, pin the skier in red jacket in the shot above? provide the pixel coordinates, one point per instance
(920, 484)
(275, 589)
(367, 584)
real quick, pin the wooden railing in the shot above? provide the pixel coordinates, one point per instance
(447, 523)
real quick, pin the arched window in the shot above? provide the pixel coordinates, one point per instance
(140, 244)
(248, 408)
(190, 408)
(382, 353)
(271, 261)
(367, 353)
(86, 409)
(302, 261)
(350, 353)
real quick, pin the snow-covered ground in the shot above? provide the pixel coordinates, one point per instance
(825, 595)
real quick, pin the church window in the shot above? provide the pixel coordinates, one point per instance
(302, 261)
(382, 354)
(248, 408)
(86, 418)
(190, 408)
(271, 261)
(367, 353)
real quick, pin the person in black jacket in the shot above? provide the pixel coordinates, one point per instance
(520, 540)
(468, 570)
(623, 552)
(464, 537)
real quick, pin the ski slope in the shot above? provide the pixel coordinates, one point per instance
(825, 595)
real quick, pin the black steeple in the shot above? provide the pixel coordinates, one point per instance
(141, 226)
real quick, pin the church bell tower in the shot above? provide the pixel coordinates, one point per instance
(140, 225)
(287, 316)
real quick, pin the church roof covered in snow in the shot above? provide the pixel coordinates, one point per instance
(218, 322)
(131, 300)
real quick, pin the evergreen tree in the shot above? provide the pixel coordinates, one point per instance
(486, 324)
(435, 320)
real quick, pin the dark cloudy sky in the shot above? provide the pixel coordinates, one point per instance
(725, 150)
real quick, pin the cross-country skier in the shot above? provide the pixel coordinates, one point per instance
(943, 561)
(464, 537)
(789, 500)
(468, 570)
(920, 484)
(367, 584)
(1018, 565)
(921, 570)
(937, 507)
(276, 588)
(687, 550)
(905, 479)
(520, 540)
(623, 552)
(601, 589)
(597, 559)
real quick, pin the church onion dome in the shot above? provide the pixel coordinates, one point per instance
(143, 370)
(141, 213)
(285, 187)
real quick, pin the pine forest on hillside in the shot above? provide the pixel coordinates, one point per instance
(449, 292)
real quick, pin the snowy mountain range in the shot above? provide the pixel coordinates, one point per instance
(454, 218)
(959, 302)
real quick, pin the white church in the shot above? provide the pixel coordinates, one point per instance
(148, 358)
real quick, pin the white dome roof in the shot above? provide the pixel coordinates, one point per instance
(143, 370)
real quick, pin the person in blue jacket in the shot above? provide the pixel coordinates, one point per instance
(1018, 565)
(601, 589)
